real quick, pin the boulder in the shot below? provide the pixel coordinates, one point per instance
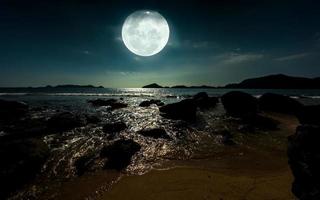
(150, 102)
(184, 110)
(64, 122)
(309, 115)
(21, 161)
(239, 104)
(115, 127)
(119, 153)
(92, 119)
(28, 127)
(12, 110)
(203, 101)
(154, 133)
(83, 163)
(200, 95)
(279, 103)
(304, 161)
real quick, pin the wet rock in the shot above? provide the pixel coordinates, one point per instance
(12, 110)
(154, 133)
(119, 153)
(21, 161)
(92, 119)
(102, 102)
(239, 104)
(65, 121)
(203, 101)
(27, 127)
(201, 95)
(184, 110)
(279, 103)
(84, 163)
(150, 102)
(309, 115)
(115, 127)
(112, 103)
(304, 161)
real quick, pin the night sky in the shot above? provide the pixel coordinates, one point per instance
(211, 42)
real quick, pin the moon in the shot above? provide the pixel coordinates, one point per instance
(145, 32)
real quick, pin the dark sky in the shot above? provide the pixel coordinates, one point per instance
(211, 42)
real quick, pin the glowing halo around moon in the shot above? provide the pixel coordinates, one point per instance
(145, 32)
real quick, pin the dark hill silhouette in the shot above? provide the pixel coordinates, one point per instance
(278, 81)
(153, 85)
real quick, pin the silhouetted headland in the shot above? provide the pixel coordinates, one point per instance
(277, 81)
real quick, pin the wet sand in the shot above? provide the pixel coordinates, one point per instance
(242, 173)
(193, 183)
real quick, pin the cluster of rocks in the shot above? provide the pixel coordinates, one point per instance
(28, 154)
(22, 151)
(187, 108)
(150, 102)
(304, 154)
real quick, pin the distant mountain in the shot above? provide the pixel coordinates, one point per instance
(278, 81)
(153, 85)
(201, 86)
(47, 88)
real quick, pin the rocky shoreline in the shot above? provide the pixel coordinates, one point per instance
(119, 136)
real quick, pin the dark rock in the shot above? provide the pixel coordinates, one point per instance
(114, 127)
(92, 119)
(304, 161)
(21, 160)
(119, 153)
(154, 133)
(64, 122)
(201, 95)
(102, 102)
(118, 105)
(207, 103)
(12, 110)
(27, 127)
(203, 101)
(279, 103)
(309, 115)
(150, 102)
(239, 104)
(84, 163)
(185, 110)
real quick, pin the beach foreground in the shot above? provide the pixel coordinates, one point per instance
(253, 175)
(232, 146)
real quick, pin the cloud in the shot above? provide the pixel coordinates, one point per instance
(292, 57)
(237, 58)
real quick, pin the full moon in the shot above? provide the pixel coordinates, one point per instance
(145, 32)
